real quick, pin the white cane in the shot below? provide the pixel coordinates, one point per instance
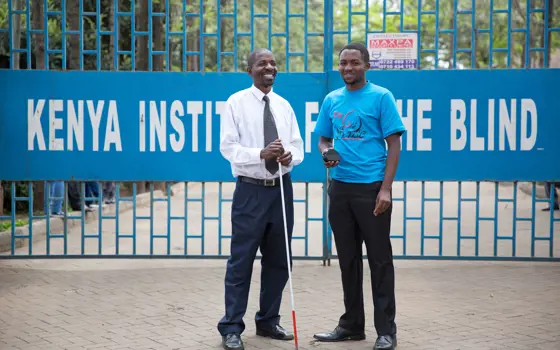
(288, 254)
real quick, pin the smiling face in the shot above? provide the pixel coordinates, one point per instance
(263, 70)
(352, 67)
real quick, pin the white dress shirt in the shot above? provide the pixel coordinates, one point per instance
(242, 133)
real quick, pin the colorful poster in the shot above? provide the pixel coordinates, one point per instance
(393, 50)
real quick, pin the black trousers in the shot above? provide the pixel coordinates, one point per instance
(352, 221)
(257, 222)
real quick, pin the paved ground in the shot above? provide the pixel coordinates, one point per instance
(70, 304)
(175, 304)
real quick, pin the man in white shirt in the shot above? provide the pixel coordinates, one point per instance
(259, 132)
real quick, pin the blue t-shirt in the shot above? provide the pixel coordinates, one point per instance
(359, 121)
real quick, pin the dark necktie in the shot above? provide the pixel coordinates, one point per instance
(270, 134)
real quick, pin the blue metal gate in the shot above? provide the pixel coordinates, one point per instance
(105, 94)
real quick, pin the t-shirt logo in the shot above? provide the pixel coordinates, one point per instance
(348, 126)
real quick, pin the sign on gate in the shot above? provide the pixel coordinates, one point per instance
(393, 50)
(461, 124)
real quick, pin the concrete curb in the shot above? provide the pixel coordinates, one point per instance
(57, 223)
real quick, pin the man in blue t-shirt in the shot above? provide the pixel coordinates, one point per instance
(362, 117)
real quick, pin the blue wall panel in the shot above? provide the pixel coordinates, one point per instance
(515, 150)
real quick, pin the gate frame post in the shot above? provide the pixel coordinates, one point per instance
(327, 67)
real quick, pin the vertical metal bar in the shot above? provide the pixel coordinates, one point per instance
(48, 212)
(270, 25)
(551, 246)
(65, 191)
(328, 42)
(235, 46)
(477, 221)
(202, 218)
(81, 28)
(546, 32)
(496, 218)
(151, 36)
(384, 16)
(116, 35)
(349, 23)
(306, 43)
(63, 15)
(405, 185)
(401, 15)
(437, 36)
(528, 35)
(168, 63)
(367, 19)
(134, 218)
(441, 197)
(306, 219)
(455, 25)
(218, 35)
(46, 32)
(117, 195)
(514, 233)
(459, 220)
(220, 201)
(509, 35)
(82, 217)
(326, 231)
(30, 201)
(133, 37)
(11, 35)
(491, 30)
(184, 20)
(534, 189)
(473, 34)
(201, 36)
(252, 24)
(13, 216)
(168, 217)
(186, 216)
(98, 35)
(28, 32)
(422, 222)
(419, 48)
(287, 34)
(100, 218)
(151, 217)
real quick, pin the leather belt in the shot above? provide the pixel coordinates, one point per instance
(264, 182)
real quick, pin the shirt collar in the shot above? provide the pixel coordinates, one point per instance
(258, 93)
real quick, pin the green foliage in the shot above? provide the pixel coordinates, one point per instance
(457, 34)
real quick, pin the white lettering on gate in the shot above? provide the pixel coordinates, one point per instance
(507, 125)
(423, 122)
(157, 121)
(310, 109)
(177, 141)
(194, 108)
(74, 124)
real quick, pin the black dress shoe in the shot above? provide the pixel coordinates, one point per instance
(232, 342)
(339, 334)
(386, 342)
(277, 332)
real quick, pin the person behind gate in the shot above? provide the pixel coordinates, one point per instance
(362, 117)
(259, 132)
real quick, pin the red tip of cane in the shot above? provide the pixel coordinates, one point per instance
(295, 328)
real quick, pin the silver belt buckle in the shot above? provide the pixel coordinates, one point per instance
(269, 182)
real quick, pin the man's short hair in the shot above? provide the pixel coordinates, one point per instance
(357, 46)
(253, 56)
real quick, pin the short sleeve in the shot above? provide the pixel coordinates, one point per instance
(323, 126)
(391, 121)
